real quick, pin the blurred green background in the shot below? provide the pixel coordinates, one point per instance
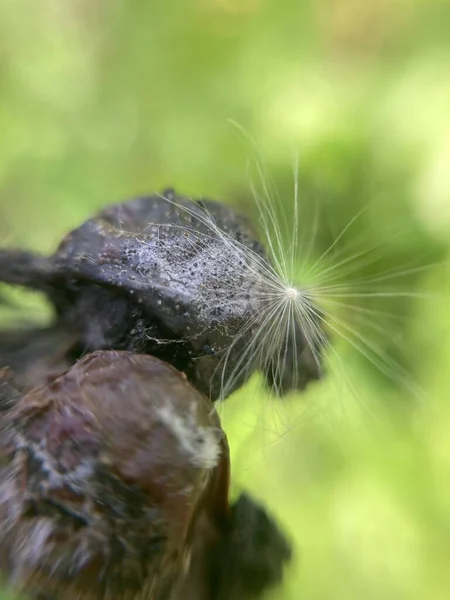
(101, 101)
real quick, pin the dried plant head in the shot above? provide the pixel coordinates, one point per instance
(104, 473)
(185, 280)
(114, 484)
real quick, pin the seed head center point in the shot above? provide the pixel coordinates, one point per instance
(291, 293)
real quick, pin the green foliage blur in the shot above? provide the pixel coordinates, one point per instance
(101, 101)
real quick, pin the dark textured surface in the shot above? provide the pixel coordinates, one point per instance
(252, 556)
(167, 276)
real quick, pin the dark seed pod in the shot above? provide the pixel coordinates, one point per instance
(114, 484)
(164, 275)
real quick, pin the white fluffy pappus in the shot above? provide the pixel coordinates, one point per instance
(355, 301)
